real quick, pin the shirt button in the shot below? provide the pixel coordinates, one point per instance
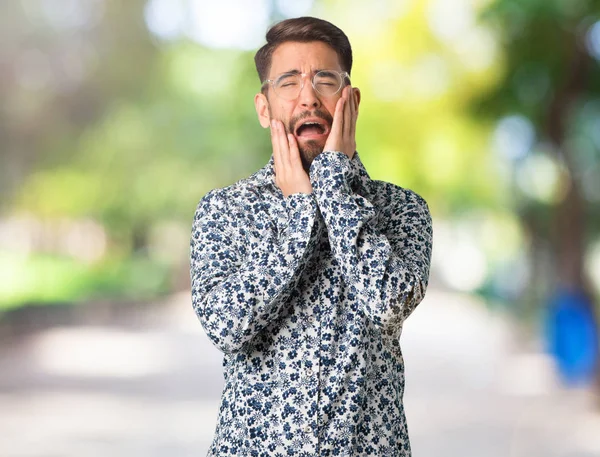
(307, 429)
(309, 372)
(311, 319)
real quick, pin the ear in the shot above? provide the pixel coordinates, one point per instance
(262, 110)
(356, 92)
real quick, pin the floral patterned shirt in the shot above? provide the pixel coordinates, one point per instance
(306, 296)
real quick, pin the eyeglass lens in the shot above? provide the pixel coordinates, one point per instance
(325, 82)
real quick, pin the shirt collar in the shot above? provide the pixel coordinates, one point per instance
(358, 173)
(357, 177)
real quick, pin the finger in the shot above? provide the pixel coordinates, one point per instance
(294, 151)
(347, 113)
(284, 148)
(275, 144)
(338, 118)
(354, 116)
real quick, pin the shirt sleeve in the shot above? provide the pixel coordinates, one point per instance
(234, 297)
(385, 264)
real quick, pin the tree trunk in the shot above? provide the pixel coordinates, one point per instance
(569, 226)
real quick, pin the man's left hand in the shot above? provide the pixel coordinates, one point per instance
(342, 136)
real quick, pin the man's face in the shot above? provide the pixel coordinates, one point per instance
(304, 58)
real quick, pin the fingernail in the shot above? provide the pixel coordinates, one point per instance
(272, 122)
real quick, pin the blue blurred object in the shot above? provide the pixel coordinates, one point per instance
(572, 336)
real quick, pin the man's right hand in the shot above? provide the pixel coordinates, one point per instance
(290, 176)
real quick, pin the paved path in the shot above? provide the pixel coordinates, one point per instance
(150, 387)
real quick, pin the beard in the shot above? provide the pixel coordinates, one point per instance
(308, 152)
(311, 148)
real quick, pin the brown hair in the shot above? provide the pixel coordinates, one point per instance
(303, 29)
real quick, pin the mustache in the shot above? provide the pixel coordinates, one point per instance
(306, 114)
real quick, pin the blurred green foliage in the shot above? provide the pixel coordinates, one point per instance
(551, 81)
(45, 279)
(104, 121)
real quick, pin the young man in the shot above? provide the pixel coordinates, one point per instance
(303, 273)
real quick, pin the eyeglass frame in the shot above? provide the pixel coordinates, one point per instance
(343, 74)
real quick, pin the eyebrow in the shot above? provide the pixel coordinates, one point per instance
(298, 72)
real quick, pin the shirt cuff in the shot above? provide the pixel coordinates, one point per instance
(330, 168)
(301, 210)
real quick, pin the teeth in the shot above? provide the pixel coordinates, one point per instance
(312, 123)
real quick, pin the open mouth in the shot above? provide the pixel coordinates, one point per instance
(312, 128)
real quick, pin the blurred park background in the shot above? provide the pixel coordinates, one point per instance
(117, 117)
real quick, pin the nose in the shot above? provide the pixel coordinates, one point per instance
(308, 97)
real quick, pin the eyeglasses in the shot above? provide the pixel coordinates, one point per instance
(326, 82)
